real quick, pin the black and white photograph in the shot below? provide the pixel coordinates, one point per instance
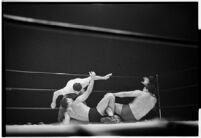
(100, 69)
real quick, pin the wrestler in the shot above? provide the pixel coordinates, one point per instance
(75, 86)
(76, 109)
(143, 103)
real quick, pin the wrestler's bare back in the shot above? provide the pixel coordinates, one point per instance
(78, 110)
(142, 104)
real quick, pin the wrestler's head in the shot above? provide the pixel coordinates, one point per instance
(77, 87)
(149, 84)
(151, 79)
(145, 81)
(66, 102)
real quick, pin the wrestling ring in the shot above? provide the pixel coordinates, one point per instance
(157, 125)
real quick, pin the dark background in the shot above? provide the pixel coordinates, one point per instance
(37, 48)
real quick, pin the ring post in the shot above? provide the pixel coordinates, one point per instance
(157, 89)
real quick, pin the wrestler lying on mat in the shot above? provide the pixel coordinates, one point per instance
(72, 89)
(77, 109)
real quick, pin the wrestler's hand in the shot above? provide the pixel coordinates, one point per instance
(92, 74)
(107, 76)
(53, 105)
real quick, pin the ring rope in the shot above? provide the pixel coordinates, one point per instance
(66, 74)
(114, 32)
(183, 87)
(28, 89)
(167, 73)
(178, 71)
(85, 75)
(30, 108)
(39, 89)
(40, 72)
(36, 89)
(48, 108)
(181, 106)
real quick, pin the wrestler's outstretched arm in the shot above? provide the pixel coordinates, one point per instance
(103, 77)
(134, 93)
(54, 98)
(86, 94)
(85, 81)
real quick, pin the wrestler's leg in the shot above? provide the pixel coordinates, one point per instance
(107, 104)
(118, 109)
